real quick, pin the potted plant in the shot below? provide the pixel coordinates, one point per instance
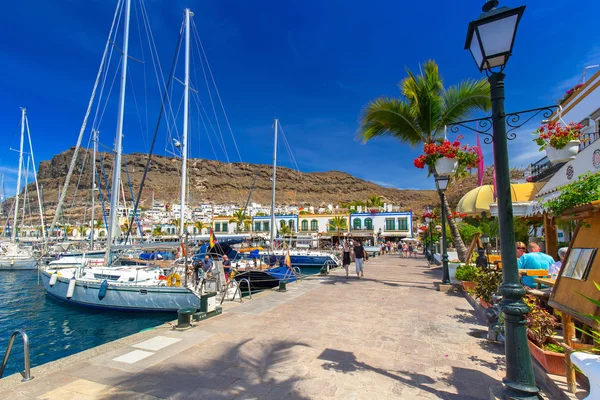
(453, 266)
(445, 156)
(467, 274)
(487, 282)
(428, 216)
(560, 142)
(540, 328)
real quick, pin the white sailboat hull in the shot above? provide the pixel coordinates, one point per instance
(17, 263)
(122, 297)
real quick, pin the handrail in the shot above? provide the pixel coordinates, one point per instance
(27, 372)
(298, 273)
(249, 289)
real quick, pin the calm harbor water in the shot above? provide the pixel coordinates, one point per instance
(55, 329)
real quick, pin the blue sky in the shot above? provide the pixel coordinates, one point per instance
(312, 64)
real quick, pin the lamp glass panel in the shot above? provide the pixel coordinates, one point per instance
(496, 61)
(442, 183)
(497, 36)
(476, 50)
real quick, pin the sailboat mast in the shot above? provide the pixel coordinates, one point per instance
(273, 226)
(37, 188)
(95, 140)
(25, 193)
(114, 200)
(186, 105)
(16, 215)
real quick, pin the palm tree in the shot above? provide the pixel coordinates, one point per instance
(423, 112)
(338, 223)
(200, 225)
(240, 219)
(157, 231)
(285, 230)
(374, 201)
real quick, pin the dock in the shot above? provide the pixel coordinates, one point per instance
(388, 335)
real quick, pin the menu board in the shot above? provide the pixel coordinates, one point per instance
(577, 265)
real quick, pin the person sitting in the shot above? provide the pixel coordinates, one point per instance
(534, 259)
(555, 268)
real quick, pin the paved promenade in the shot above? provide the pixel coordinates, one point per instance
(391, 335)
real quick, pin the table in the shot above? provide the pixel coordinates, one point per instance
(544, 281)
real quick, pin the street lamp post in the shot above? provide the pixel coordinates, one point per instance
(429, 250)
(441, 182)
(490, 39)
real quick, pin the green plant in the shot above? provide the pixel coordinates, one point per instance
(540, 323)
(487, 282)
(582, 191)
(555, 348)
(555, 135)
(466, 273)
(467, 232)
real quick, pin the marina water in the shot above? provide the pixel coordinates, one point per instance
(56, 329)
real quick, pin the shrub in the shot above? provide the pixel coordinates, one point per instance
(582, 191)
(487, 282)
(540, 323)
(466, 273)
(467, 232)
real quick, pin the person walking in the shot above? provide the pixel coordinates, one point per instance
(346, 257)
(359, 259)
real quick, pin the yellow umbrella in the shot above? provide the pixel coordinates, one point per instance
(477, 201)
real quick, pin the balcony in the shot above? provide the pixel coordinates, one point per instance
(543, 169)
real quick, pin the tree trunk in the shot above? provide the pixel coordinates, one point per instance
(461, 249)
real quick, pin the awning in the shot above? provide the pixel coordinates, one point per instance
(479, 200)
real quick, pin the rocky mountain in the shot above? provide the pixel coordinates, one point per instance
(212, 181)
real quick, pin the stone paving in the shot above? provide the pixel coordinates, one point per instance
(390, 335)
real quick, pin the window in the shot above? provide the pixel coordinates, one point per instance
(577, 265)
(291, 224)
(329, 226)
(217, 227)
(225, 227)
(356, 223)
(257, 226)
(266, 226)
(390, 224)
(314, 225)
(402, 224)
(368, 223)
(304, 225)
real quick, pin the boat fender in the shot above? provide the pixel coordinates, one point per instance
(53, 279)
(71, 288)
(174, 280)
(103, 289)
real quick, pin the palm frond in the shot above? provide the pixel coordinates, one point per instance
(461, 100)
(389, 117)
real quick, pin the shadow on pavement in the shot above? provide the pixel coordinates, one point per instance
(249, 369)
(460, 378)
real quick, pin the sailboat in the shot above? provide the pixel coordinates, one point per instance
(282, 261)
(125, 288)
(13, 255)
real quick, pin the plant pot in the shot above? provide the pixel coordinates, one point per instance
(553, 363)
(446, 166)
(485, 304)
(565, 154)
(589, 364)
(467, 285)
(452, 272)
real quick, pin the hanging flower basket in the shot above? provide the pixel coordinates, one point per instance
(446, 166)
(374, 211)
(569, 152)
(428, 217)
(446, 156)
(457, 216)
(560, 142)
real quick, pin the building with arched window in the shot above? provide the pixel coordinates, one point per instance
(304, 225)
